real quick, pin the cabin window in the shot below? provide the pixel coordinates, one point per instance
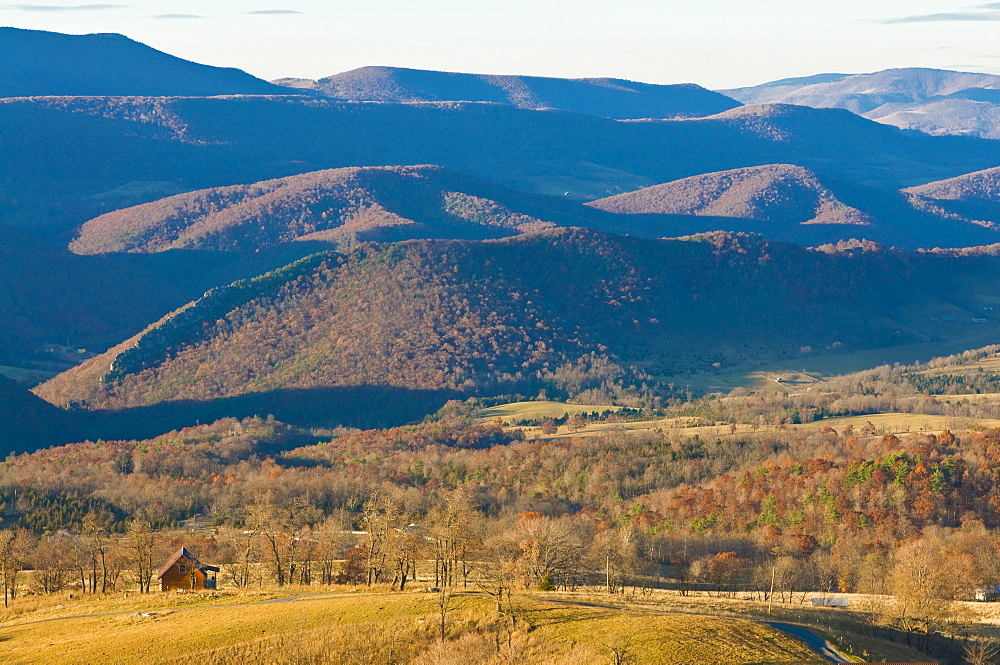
(181, 568)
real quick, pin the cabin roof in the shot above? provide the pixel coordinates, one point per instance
(185, 553)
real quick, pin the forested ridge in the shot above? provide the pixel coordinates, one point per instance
(483, 318)
(73, 158)
(788, 202)
(349, 204)
(774, 192)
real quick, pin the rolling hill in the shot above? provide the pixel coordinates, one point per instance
(356, 204)
(349, 205)
(974, 197)
(336, 205)
(781, 193)
(462, 317)
(606, 97)
(73, 159)
(929, 100)
(51, 63)
(790, 203)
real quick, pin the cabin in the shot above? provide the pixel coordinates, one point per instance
(184, 571)
(988, 594)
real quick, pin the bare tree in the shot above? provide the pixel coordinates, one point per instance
(924, 589)
(52, 560)
(622, 652)
(241, 552)
(332, 539)
(382, 514)
(550, 549)
(981, 652)
(140, 541)
(279, 525)
(498, 572)
(452, 531)
(14, 545)
(98, 543)
(444, 602)
(615, 550)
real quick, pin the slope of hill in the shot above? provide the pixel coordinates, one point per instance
(781, 193)
(355, 204)
(930, 100)
(611, 98)
(790, 203)
(72, 159)
(974, 197)
(373, 203)
(37, 63)
(484, 318)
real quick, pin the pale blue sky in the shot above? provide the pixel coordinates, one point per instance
(717, 43)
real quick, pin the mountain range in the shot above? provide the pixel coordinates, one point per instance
(71, 159)
(929, 100)
(606, 97)
(367, 246)
(538, 311)
(358, 204)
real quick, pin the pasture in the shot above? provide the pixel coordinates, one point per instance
(366, 627)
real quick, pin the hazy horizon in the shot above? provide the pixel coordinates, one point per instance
(717, 44)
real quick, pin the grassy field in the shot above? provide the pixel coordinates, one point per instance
(662, 637)
(884, 423)
(989, 364)
(844, 629)
(358, 627)
(984, 398)
(520, 411)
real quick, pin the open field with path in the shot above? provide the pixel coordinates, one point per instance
(170, 628)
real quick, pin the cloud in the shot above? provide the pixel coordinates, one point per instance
(60, 8)
(988, 12)
(178, 16)
(274, 11)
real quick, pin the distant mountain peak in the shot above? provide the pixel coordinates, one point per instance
(40, 63)
(606, 97)
(934, 101)
(804, 80)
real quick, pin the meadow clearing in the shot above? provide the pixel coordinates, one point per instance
(360, 626)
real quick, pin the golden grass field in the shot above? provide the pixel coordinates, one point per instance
(885, 423)
(668, 638)
(224, 627)
(533, 410)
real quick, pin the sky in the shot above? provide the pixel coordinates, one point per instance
(715, 43)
